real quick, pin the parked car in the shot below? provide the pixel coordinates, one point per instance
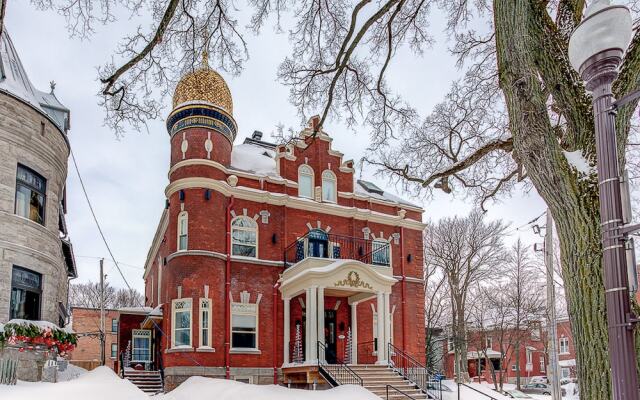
(516, 394)
(540, 388)
(539, 379)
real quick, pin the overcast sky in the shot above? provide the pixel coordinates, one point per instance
(125, 178)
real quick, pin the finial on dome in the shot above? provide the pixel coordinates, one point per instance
(52, 85)
(205, 49)
(205, 59)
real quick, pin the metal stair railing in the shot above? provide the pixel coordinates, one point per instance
(396, 390)
(413, 371)
(475, 390)
(338, 373)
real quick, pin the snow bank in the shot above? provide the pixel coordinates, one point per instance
(71, 372)
(100, 384)
(199, 388)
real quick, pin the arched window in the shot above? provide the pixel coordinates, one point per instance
(329, 182)
(244, 237)
(380, 252)
(305, 181)
(183, 230)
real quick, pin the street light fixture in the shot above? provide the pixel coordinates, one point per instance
(596, 50)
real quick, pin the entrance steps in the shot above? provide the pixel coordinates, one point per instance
(375, 378)
(149, 382)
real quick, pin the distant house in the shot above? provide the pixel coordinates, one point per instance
(86, 324)
(532, 360)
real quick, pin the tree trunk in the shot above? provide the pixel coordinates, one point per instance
(517, 355)
(573, 201)
(461, 345)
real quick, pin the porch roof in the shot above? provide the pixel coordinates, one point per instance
(344, 275)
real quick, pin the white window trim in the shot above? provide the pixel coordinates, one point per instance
(489, 343)
(542, 366)
(330, 177)
(136, 333)
(560, 346)
(183, 216)
(254, 228)
(200, 325)
(112, 356)
(173, 322)
(255, 313)
(305, 169)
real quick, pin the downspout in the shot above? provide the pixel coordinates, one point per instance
(403, 290)
(275, 332)
(227, 300)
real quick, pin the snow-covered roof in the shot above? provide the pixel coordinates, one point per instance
(135, 310)
(360, 187)
(15, 81)
(253, 157)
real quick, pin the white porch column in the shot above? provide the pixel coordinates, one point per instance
(312, 318)
(387, 322)
(286, 329)
(321, 318)
(354, 333)
(380, 310)
(307, 325)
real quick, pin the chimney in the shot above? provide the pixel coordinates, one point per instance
(257, 135)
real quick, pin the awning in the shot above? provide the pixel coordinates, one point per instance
(69, 258)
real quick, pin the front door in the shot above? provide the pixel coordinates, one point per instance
(330, 336)
(318, 244)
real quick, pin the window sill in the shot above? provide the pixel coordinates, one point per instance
(179, 349)
(245, 351)
(205, 349)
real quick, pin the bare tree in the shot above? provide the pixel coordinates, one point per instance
(128, 297)
(467, 250)
(437, 315)
(88, 295)
(524, 296)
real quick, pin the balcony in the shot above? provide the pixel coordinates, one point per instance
(319, 244)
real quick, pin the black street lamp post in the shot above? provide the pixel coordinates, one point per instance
(596, 50)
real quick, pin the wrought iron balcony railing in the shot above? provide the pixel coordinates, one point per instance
(317, 243)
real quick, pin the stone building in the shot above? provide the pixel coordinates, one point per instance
(268, 259)
(85, 322)
(36, 257)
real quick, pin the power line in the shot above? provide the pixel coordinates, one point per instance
(104, 240)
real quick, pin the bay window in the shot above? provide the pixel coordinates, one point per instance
(183, 230)
(30, 194)
(205, 322)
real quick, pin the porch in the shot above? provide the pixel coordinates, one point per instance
(320, 325)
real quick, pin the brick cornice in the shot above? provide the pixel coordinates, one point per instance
(281, 199)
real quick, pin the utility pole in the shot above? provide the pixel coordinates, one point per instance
(552, 368)
(102, 337)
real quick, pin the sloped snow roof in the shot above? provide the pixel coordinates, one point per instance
(15, 81)
(254, 158)
(135, 310)
(359, 188)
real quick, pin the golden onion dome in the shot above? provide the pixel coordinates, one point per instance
(204, 84)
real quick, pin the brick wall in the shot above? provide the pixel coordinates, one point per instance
(86, 323)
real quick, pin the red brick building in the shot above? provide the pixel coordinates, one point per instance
(532, 358)
(265, 254)
(86, 323)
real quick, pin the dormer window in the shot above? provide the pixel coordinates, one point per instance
(329, 183)
(305, 181)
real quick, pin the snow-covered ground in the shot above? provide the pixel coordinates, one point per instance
(470, 394)
(103, 384)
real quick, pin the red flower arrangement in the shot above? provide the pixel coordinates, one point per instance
(31, 336)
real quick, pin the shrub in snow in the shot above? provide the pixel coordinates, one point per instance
(37, 335)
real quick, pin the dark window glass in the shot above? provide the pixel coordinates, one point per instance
(26, 289)
(114, 325)
(31, 191)
(114, 350)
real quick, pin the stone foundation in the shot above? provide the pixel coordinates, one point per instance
(174, 376)
(30, 363)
